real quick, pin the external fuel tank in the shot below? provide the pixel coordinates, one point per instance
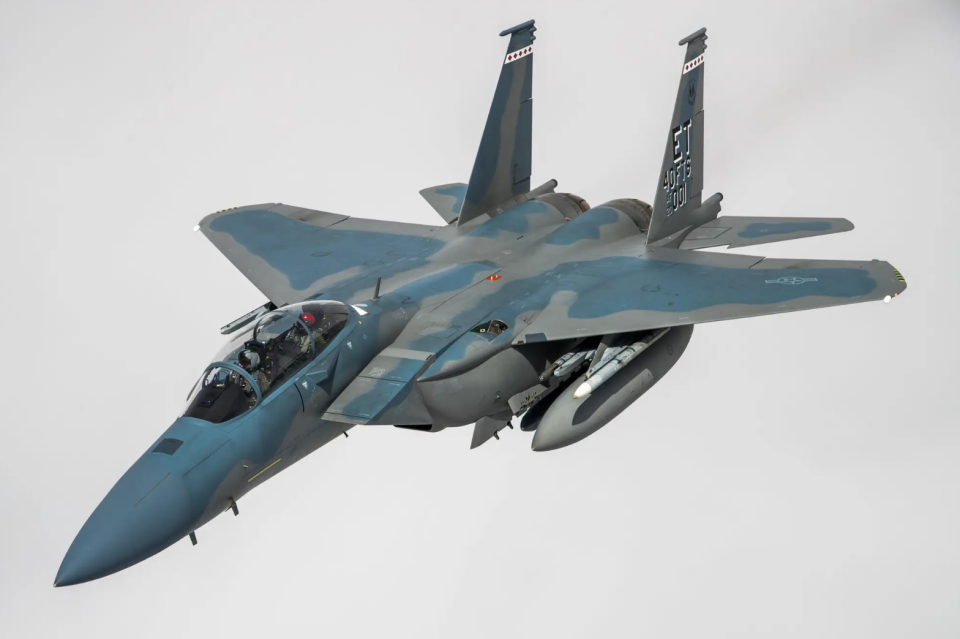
(569, 420)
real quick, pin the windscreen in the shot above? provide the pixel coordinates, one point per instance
(220, 395)
(271, 352)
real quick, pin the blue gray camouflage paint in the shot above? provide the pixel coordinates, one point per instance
(763, 230)
(749, 231)
(460, 323)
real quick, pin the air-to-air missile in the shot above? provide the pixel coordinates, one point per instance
(566, 363)
(571, 364)
(568, 418)
(608, 367)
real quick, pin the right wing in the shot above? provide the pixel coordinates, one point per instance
(673, 287)
(732, 231)
(292, 253)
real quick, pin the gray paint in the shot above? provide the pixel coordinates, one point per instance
(688, 109)
(570, 420)
(502, 167)
(555, 277)
(736, 231)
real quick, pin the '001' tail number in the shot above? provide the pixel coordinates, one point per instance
(678, 175)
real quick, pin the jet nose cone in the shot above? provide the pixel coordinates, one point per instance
(146, 511)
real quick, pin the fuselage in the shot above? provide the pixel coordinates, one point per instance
(525, 303)
(489, 270)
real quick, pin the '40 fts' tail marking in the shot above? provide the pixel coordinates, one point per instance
(676, 177)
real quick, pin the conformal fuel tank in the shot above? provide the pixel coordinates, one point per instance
(569, 420)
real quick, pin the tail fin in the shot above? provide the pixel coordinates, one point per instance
(680, 185)
(502, 168)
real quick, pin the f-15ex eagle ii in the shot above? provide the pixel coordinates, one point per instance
(524, 302)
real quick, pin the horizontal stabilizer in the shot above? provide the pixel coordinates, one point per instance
(446, 199)
(746, 231)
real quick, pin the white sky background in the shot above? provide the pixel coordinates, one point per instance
(794, 476)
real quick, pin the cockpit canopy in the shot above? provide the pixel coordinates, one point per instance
(259, 360)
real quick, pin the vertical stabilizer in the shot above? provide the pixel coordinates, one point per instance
(680, 183)
(502, 168)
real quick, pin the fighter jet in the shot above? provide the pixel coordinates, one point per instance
(520, 302)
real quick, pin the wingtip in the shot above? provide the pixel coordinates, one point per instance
(901, 281)
(892, 287)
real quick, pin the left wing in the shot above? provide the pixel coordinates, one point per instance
(733, 231)
(674, 287)
(292, 253)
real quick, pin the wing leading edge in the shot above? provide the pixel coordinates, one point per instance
(673, 287)
(292, 253)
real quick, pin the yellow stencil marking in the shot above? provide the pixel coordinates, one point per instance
(264, 470)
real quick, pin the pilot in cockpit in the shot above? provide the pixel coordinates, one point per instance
(249, 359)
(310, 321)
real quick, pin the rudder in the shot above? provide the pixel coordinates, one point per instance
(503, 165)
(680, 184)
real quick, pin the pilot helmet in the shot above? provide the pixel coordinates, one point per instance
(249, 360)
(308, 319)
